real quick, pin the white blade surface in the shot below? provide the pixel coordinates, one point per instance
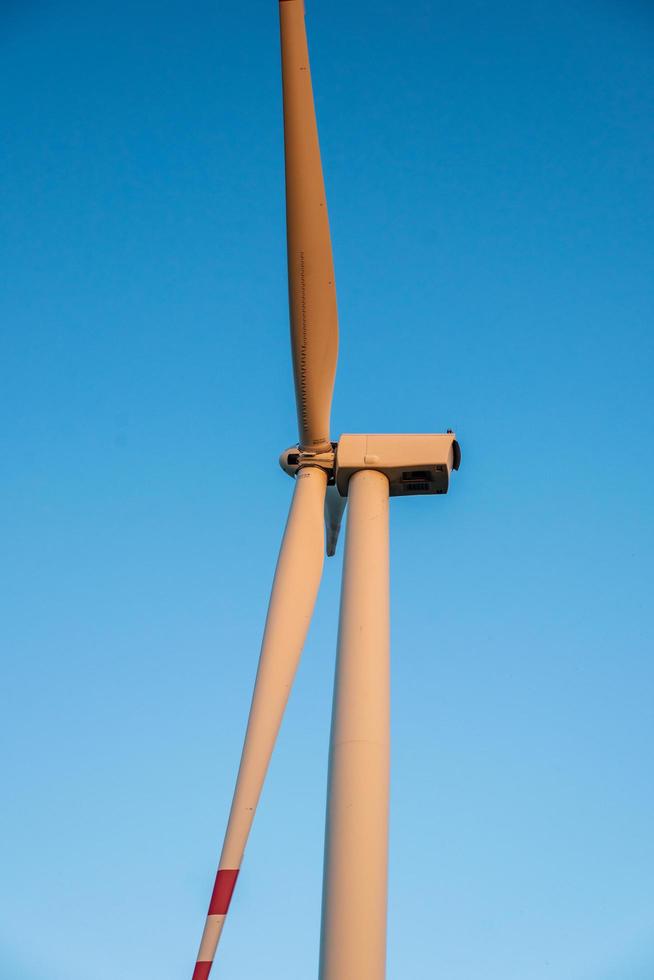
(294, 592)
(312, 292)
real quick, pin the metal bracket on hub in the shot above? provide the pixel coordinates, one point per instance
(292, 459)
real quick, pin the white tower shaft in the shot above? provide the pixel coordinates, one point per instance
(353, 937)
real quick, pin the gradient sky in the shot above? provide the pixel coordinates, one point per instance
(489, 169)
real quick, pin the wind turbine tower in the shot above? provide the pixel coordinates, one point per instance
(366, 470)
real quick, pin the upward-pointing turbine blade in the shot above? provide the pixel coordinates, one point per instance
(294, 591)
(312, 292)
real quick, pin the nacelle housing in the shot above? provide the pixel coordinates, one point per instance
(414, 464)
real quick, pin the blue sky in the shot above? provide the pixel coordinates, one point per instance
(489, 174)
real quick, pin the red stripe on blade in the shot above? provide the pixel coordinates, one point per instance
(222, 892)
(202, 970)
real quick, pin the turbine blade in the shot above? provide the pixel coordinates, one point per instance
(334, 507)
(312, 292)
(294, 591)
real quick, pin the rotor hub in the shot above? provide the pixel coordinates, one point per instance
(294, 458)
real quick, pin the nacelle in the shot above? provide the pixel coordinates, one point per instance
(414, 464)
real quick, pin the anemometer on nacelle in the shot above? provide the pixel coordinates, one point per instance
(413, 464)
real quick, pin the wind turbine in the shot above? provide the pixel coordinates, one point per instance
(366, 470)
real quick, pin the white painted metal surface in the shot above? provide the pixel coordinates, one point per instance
(353, 938)
(413, 462)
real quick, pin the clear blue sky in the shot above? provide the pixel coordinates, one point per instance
(489, 170)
